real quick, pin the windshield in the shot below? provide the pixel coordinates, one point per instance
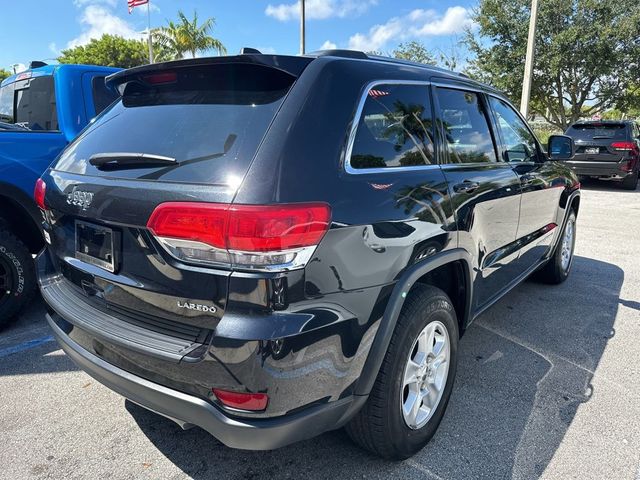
(210, 120)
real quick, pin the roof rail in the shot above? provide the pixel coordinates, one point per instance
(340, 53)
(249, 50)
(402, 61)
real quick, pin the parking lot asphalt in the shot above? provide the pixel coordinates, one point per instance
(548, 385)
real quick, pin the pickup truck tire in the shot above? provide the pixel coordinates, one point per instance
(17, 276)
(426, 333)
(557, 268)
(630, 182)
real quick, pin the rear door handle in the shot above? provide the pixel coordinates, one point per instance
(466, 187)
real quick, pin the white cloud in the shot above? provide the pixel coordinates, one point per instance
(319, 9)
(98, 20)
(328, 45)
(416, 24)
(53, 48)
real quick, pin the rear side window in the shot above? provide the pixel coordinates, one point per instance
(210, 119)
(395, 128)
(598, 131)
(465, 124)
(30, 104)
(102, 96)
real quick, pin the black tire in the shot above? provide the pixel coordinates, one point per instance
(380, 426)
(554, 272)
(17, 276)
(630, 182)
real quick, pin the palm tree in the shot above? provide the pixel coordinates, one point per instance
(186, 37)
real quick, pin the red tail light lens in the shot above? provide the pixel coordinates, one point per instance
(624, 146)
(242, 401)
(39, 192)
(273, 228)
(248, 235)
(202, 222)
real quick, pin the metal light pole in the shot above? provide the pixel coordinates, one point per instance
(149, 32)
(302, 32)
(528, 65)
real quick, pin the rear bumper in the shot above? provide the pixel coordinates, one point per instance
(604, 170)
(188, 410)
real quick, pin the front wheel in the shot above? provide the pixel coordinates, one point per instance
(557, 268)
(411, 392)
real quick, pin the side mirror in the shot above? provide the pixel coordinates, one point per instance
(560, 147)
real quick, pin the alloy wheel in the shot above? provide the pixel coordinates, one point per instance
(425, 375)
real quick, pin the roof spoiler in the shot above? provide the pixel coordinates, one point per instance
(293, 65)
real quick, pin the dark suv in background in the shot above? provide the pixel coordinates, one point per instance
(270, 247)
(606, 150)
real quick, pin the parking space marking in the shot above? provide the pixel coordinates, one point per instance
(21, 347)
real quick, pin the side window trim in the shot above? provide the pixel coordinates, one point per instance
(482, 97)
(356, 121)
(503, 146)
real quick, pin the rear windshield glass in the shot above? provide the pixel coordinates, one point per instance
(598, 131)
(29, 104)
(209, 119)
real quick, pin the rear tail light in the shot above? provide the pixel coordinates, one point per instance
(271, 237)
(39, 192)
(625, 146)
(242, 401)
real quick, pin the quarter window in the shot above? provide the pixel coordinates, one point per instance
(519, 143)
(395, 128)
(466, 127)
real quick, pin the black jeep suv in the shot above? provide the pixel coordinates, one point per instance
(270, 247)
(606, 150)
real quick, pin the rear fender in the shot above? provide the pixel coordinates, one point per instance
(396, 301)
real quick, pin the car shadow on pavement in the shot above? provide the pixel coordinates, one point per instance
(525, 368)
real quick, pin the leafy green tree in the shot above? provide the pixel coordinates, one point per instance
(4, 74)
(187, 37)
(587, 53)
(415, 51)
(109, 50)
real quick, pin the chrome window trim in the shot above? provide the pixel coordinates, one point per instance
(354, 129)
(541, 152)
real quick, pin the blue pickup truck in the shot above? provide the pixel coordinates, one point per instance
(41, 111)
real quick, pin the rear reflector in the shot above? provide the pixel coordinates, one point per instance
(252, 236)
(242, 401)
(39, 192)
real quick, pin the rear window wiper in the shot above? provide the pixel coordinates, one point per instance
(601, 137)
(125, 160)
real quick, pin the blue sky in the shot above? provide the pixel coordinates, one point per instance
(39, 29)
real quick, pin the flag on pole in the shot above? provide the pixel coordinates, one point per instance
(135, 3)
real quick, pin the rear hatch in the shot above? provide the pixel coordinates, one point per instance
(599, 142)
(182, 131)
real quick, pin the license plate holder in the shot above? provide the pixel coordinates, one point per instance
(95, 245)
